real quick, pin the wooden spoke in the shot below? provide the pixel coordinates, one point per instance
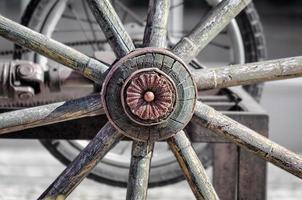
(139, 170)
(113, 28)
(50, 114)
(192, 167)
(80, 167)
(52, 49)
(246, 74)
(156, 27)
(189, 47)
(248, 139)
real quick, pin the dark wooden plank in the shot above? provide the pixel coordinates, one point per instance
(225, 168)
(252, 170)
(198, 133)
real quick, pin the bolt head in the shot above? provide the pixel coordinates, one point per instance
(25, 95)
(149, 96)
(25, 70)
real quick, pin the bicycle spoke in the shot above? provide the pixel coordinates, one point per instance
(80, 167)
(50, 114)
(192, 167)
(189, 47)
(248, 139)
(52, 49)
(112, 27)
(245, 74)
(86, 9)
(139, 170)
(80, 23)
(156, 27)
(132, 14)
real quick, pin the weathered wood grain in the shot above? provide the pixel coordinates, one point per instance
(113, 28)
(208, 28)
(248, 139)
(192, 167)
(156, 28)
(250, 166)
(50, 114)
(251, 73)
(52, 49)
(225, 168)
(155, 60)
(80, 167)
(139, 170)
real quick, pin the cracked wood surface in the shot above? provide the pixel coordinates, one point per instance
(248, 139)
(139, 170)
(192, 167)
(51, 113)
(156, 28)
(113, 28)
(208, 28)
(251, 73)
(81, 166)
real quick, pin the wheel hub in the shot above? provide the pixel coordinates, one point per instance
(149, 94)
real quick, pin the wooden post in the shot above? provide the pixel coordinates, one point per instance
(252, 169)
(225, 170)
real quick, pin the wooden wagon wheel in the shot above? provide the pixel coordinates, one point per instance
(149, 95)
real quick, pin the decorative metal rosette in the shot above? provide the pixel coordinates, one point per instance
(149, 94)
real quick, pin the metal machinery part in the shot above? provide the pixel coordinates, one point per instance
(25, 84)
(111, 133)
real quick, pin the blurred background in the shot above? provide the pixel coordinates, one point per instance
(282, 23)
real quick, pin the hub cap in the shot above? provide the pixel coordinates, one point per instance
(149, 94)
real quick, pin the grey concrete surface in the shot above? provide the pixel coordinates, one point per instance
(26, 169)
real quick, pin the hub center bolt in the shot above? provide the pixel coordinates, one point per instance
(149, 96)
